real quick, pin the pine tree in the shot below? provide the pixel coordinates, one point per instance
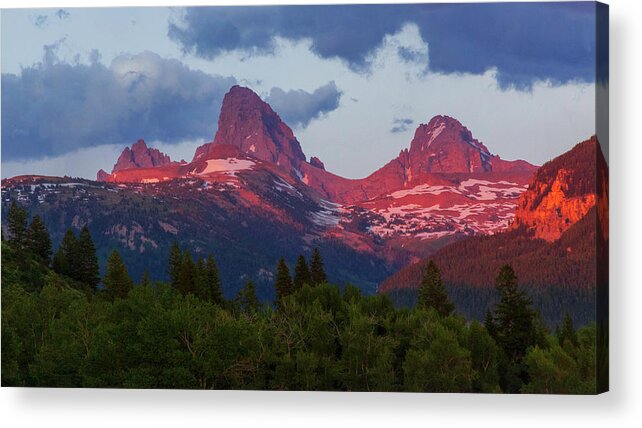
(88, 271)
(145, 280)
(301, 273)
(283, 283)
(567, 333)
(187, 275)
(515, 332)
(213, 287)
(200, 279)
(17, 223)
(317, 272)
(39, 241)
(66, 258)
(175, 264)
(489, 323)
(117, 281)
(515, 329)
(432, 293)
(59, 263)
(247, 298)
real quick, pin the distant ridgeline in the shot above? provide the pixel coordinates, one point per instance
(558, 245)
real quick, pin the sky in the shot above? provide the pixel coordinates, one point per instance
(353, 81)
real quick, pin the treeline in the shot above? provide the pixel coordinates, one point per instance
(57, 331)
(560, 273)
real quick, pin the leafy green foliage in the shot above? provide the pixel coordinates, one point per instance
(156, 336)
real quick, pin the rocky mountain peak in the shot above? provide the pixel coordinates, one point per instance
(102, 175)
(140, 156)
(444, 145)
(250, 124)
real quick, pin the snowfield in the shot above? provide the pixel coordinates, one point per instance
(227, 166)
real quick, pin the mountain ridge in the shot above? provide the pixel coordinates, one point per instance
(252, 185)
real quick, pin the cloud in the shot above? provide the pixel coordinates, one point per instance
(298, 107)
(40, 21)
(401, 125)
(62, 14)
(524, 42)
(54, 108)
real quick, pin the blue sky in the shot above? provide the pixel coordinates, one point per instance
(353, 81)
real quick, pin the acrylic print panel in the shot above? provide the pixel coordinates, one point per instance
(338, 198)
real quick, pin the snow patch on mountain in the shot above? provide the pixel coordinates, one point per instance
(227, 166)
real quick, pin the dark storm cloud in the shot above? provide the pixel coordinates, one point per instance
(524, 41)
(401, 125)
(298, 107)
(54, 108)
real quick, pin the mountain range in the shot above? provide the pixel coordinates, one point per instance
(251, 195)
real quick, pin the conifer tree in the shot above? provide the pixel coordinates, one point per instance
(187, 275)
(59, 263)
(87, 262)
(145, 280)
(283, 283)
(489, 323)
(214, 291)
(301, 273)
(17, 223)
(117, 281)
(432, 293)
(515, 332)
(247, 299)
(567, 333)
(317, 272)
(174, 264)
(39, 241)
(66, 258)
(200, 279)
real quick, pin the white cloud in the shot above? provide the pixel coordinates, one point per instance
(355, 139)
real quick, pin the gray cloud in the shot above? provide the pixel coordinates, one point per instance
(401, 125)
(298, 107)
(62, 14)
(54, 108)
(40, 21)
(525, 42)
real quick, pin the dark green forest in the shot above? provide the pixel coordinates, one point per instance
(63, 325)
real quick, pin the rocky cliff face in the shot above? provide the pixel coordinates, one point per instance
(250, 124)
(445, 186)
(563, 191)
(102, 175)
(444, 145)
(140, 156)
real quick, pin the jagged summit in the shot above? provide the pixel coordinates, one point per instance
(249, 123)
(253, 129)
(140, 156)
(444, 145)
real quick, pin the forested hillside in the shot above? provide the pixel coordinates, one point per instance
(62, 326)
